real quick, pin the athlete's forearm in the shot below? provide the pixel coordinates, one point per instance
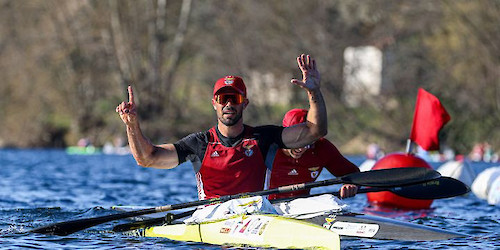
(313, 129)
(141, 148)
(147, 154)
(317, 115)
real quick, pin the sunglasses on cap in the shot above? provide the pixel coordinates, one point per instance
(233, 97)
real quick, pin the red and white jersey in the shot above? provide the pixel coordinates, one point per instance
(230, 170)
(286, 170)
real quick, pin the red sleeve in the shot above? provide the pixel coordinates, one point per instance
(336, 163)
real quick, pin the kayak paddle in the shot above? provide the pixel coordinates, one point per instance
(151, 222)
(374, 178)
(444, 187)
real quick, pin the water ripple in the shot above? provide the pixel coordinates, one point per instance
(40, 187)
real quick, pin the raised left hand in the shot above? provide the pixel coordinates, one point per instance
(310, 74)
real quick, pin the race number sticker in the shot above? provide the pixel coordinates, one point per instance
(252, 227)
(353, 229)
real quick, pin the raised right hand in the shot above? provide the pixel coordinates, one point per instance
(127, 110)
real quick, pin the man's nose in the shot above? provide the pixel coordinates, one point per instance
(229, 102)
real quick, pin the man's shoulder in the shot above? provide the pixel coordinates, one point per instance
(265, 128)
(325, 146)
(202, 136)
(266, 131)
(267, 135)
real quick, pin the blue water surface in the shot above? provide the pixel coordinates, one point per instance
(39, 187)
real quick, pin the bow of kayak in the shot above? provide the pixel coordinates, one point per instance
(375, 227)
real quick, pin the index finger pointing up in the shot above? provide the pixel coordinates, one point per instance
(130, 95)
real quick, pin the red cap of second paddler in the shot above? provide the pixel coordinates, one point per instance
(234, 83)
(294, 116)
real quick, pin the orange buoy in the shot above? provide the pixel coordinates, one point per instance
(388, 199)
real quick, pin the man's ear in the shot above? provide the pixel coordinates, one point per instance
(245, 103)
(213, 104)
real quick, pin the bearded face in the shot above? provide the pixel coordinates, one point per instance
(230, 115)
(229, 107)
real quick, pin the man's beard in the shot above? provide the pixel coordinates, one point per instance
(231, 121)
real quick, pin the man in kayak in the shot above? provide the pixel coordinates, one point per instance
(229, 157)
(304, 164)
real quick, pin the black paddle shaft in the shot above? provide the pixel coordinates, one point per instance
(376, 178)
(169, 218)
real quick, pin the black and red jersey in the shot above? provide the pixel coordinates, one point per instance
(225, 166)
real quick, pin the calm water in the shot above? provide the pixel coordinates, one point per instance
(38, 187)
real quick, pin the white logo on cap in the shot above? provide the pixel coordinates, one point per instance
(229, 81)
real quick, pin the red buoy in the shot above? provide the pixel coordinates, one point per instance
(388, 199)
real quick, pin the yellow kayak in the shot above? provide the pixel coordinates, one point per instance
(251, 230)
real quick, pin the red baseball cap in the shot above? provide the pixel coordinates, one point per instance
(294, 116)
(231, 82)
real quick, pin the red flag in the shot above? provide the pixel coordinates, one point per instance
(430, 116)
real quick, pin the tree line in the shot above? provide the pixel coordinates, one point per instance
(66, 65)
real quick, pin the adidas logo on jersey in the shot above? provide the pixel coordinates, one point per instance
(214, 154)
(293, 172)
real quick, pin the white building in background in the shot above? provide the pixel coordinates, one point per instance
(269, 89)
(362, 74)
